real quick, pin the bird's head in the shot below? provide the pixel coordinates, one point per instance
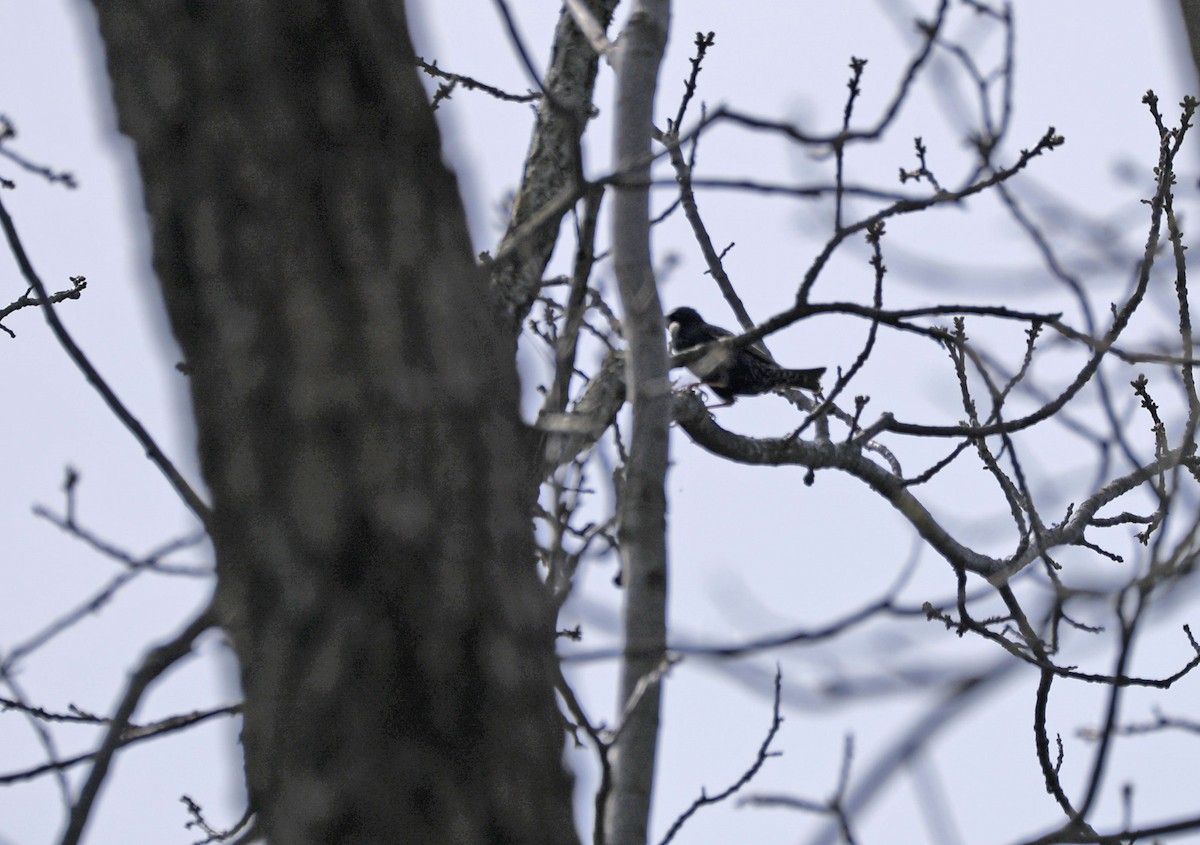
(683, 317)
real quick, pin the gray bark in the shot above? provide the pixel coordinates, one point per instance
(356, 406)
(642, 530)
(553, 168)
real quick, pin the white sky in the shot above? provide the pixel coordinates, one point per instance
(816, 552)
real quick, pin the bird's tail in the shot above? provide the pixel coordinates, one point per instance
(807, 379)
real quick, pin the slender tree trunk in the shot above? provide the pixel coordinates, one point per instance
(643, 504)
(357, 414)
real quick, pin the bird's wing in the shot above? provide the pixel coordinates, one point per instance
(712, 333)
(715, 333)
(759, 353)
(698, 335)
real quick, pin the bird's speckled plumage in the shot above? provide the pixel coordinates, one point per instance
(744, 371)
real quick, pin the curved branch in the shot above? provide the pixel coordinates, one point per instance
(695, 419)
(699, 424)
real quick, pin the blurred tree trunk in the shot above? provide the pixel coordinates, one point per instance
(357, 416)
(1190, 10)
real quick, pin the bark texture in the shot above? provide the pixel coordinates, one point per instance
(643, 510)
(553, 169)
(356, 402)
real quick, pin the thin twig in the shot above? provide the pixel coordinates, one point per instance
(153, 452)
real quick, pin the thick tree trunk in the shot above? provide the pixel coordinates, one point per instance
(357, 414)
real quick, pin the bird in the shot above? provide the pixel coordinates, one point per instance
(732, 371)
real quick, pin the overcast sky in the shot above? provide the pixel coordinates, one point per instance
(755, 551)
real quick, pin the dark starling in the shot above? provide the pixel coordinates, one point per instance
(730, 372)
